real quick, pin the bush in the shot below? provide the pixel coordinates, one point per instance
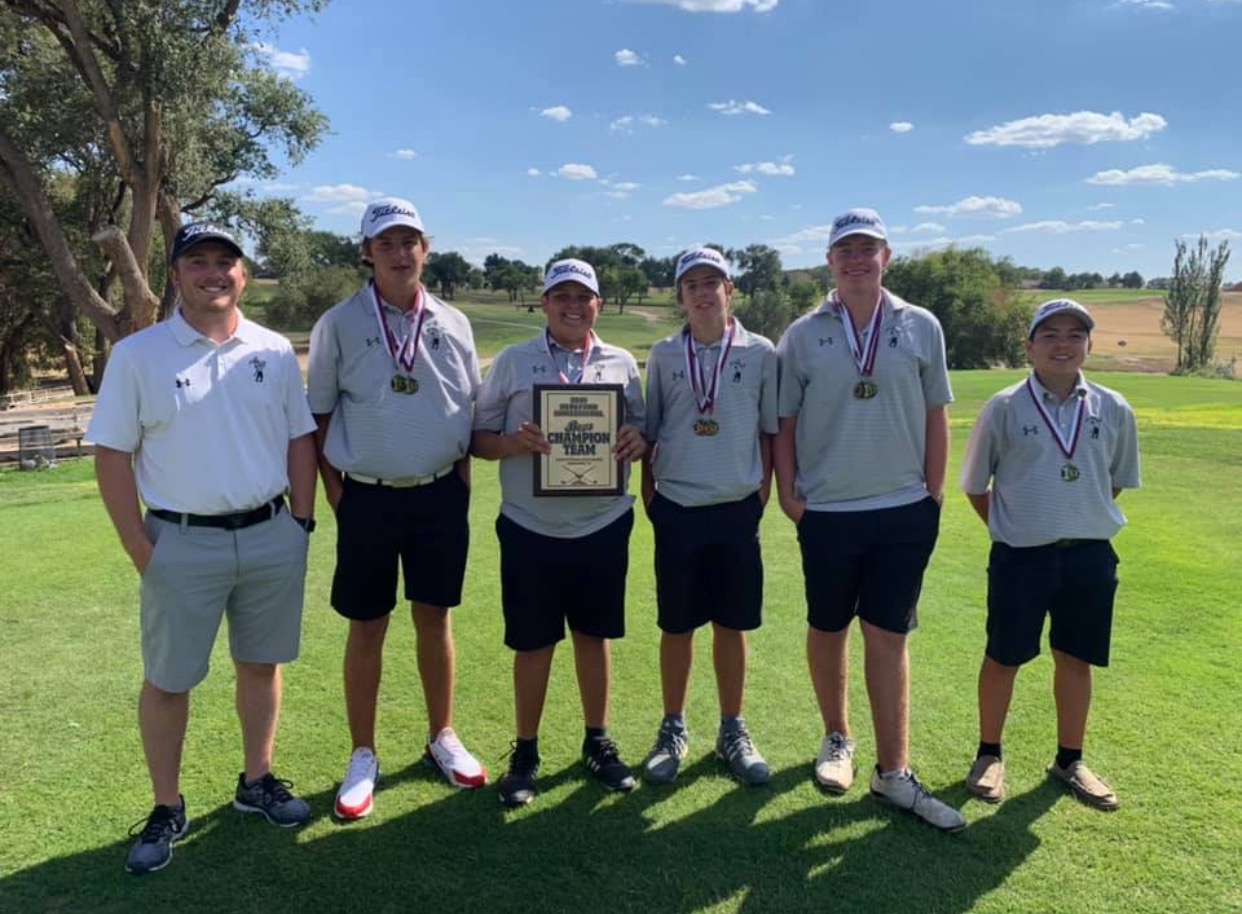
(768, 312)
(301, 299)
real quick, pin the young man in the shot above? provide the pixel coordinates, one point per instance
(562, 560)
(1057, 450)
(711, 417)
(393, 373)
(860, 466)
(205, 418)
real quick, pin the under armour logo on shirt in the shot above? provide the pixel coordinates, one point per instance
(539, 369)
(679, 376)
(825, 341)
(373, 341)
(1030, 430)
(183, 382)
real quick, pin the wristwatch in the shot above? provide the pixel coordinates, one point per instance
(306, 523)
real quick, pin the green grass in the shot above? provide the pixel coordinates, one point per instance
(1092, 297)
(1164, 729)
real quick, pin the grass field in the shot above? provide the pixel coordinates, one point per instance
(1164, 732)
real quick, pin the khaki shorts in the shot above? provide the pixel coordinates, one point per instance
(198, 575)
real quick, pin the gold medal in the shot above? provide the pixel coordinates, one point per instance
(706, 428)
(866, 389)
(1069, 473)
(404, 385)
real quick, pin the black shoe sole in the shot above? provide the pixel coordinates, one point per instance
(245, 807)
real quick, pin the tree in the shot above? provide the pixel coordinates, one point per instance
(1132, 280)
(1053, 279)
(158, 103)
(1192, 303)
(768, 312)
(447, 270)
(758, 268)
(984, 324)
(659, 271)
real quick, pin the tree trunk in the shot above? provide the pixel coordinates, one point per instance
(100, 360)
(73, 364)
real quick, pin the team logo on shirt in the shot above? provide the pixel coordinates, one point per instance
(599, 373)
(434, 336)
(892, 340)
(1094, 423)
(737, 365)
(258, 364)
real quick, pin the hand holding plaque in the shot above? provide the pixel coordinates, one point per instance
(582, 423)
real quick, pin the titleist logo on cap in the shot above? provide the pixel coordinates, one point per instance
(701, 257)
(573, 268)
(391, 209)
(854, 219)
(859, 221)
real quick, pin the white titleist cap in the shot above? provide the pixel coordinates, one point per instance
(700, 257)
(388, 212)
(570, 270)
(1060, 306)
(857, 222)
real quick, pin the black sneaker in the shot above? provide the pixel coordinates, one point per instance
(601, 758)
(270, 797)
(517, 785)
(153, 849)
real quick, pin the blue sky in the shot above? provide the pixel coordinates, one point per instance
(1082, 133)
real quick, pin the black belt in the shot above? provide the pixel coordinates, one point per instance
(238, 521)
(1068, 543)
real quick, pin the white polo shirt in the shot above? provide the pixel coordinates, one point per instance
(1035, 500)
(855, 454)
(506, 401)
(692, 469)
(376, 429)
(209, 425)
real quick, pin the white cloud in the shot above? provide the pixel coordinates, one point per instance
(1100, 206)
(1164, 5)
(928, 227)
(1058, 227)
(731, 107)
(289, 64)
(626, 122)
(815, 234)
(716, 6)
(1045, 131)
(976, 207)
(1225, 234)
(406, 154)
(1159, 173)
(621, 190)
(627, 58)
(772, 169)
(901, 126)
(712, 197)
(679, 60)
(558, 113)
(1138, 221)
(572, 171)
(342, 199)
(533, 172)
(689, 178)
(626, 186)
(975, 239)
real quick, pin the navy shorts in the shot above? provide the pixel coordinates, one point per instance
(707, 564)
(425, 528)
(548, 581)
(1072, 581)
(868, 564)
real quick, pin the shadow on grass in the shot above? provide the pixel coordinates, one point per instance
(575, 849)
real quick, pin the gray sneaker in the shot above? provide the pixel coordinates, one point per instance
(270, 797)
(745, 763)
(153, 849)
(905, 791)
(670, 750)
(834, 766)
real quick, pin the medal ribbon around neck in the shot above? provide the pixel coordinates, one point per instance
(864, 359)
(404, 350)
(704, 393)
(1067, 446)
(586, 356)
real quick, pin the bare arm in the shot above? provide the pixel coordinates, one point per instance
(936, 458)
(765, 458)
(114, 472)
(302, 467)
(333, 480)
(981, 503)
(648, 483)
(785, 464)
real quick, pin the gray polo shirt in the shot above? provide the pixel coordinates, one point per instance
(376, 430)
(1033, 503)
(695, 470)
(860, 455)
(505, 402)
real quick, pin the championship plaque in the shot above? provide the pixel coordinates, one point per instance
(581, 422)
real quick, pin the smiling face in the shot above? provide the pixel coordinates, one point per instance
(1058, 348)
(571, 309)
(705, 295)
(858, 263)
(210, 278)
(397, 255)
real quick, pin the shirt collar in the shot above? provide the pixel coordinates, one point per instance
(1080, 389)
(186, 335)
(895, 303)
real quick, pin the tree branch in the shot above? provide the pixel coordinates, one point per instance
(142, 303)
